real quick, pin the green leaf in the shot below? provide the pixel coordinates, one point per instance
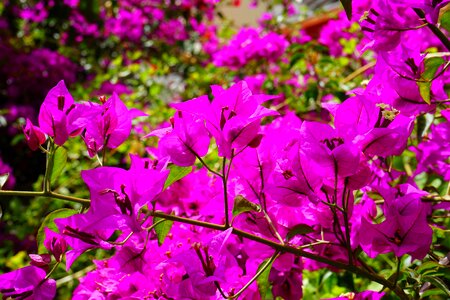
(49, 221)
(176, 173)
(445, 20)
(431, 66)
(295, 58)
(264, 285)
(423, 125)
(425, 91)
(349, 47)
(427, 266)
(437, 282)
(59, 163)
(431, 292)
(299, 229)
(3, 179)
(162, 229)
(347, 4)
(242, 205)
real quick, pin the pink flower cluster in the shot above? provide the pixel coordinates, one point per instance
(250, 44)
(105, 125)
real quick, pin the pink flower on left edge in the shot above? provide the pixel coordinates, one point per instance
(27, 283)
(33, 135)
(117, 196)
(54, 114)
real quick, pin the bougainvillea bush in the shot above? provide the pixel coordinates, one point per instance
(242, 193)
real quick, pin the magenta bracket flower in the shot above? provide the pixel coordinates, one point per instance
(232, 118)
(405, 230)
(185, 140)
(33, 135)
(203, 265)
(54, 112)
(333, 155)
(109, 126)
(27, 283)
(430, 7)
(87, 231)
(385, 23)
(117, 196)
(55, 244)
(376, 129)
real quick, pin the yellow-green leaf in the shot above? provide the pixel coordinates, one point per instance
(431, 66)
(242, 205)
(176, 173)
(299, 229)
(425, 91)
(59, 163)
(445, 20)
(264, 285)
(49, 221)
(162, 229)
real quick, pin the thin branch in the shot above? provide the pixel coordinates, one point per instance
(187, 220)
(67, 198)
(75, 275)
(319, 242)
(290, 249)
(52, 270)
(436, 198)
(124, 240)
(154, 225)
(48, 166)
(268, 263)
(345, 204)
(225, 190)
(49, 194)
(359, 71)
(437, 32)
(206, 166)
(397, 271)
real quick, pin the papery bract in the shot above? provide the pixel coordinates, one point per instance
(27, 283)
(397, 74)
(430, 7)
(375, 128)
(40, 260)
(385, 23)
(330, 152)
(187, 139)
(203, 265)
(233, 118)
(33, 135)
(117, 196)
(86, 231)
(110, 126)
(55, 243)
(54, 112)
(405, 230)
(286, 276)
